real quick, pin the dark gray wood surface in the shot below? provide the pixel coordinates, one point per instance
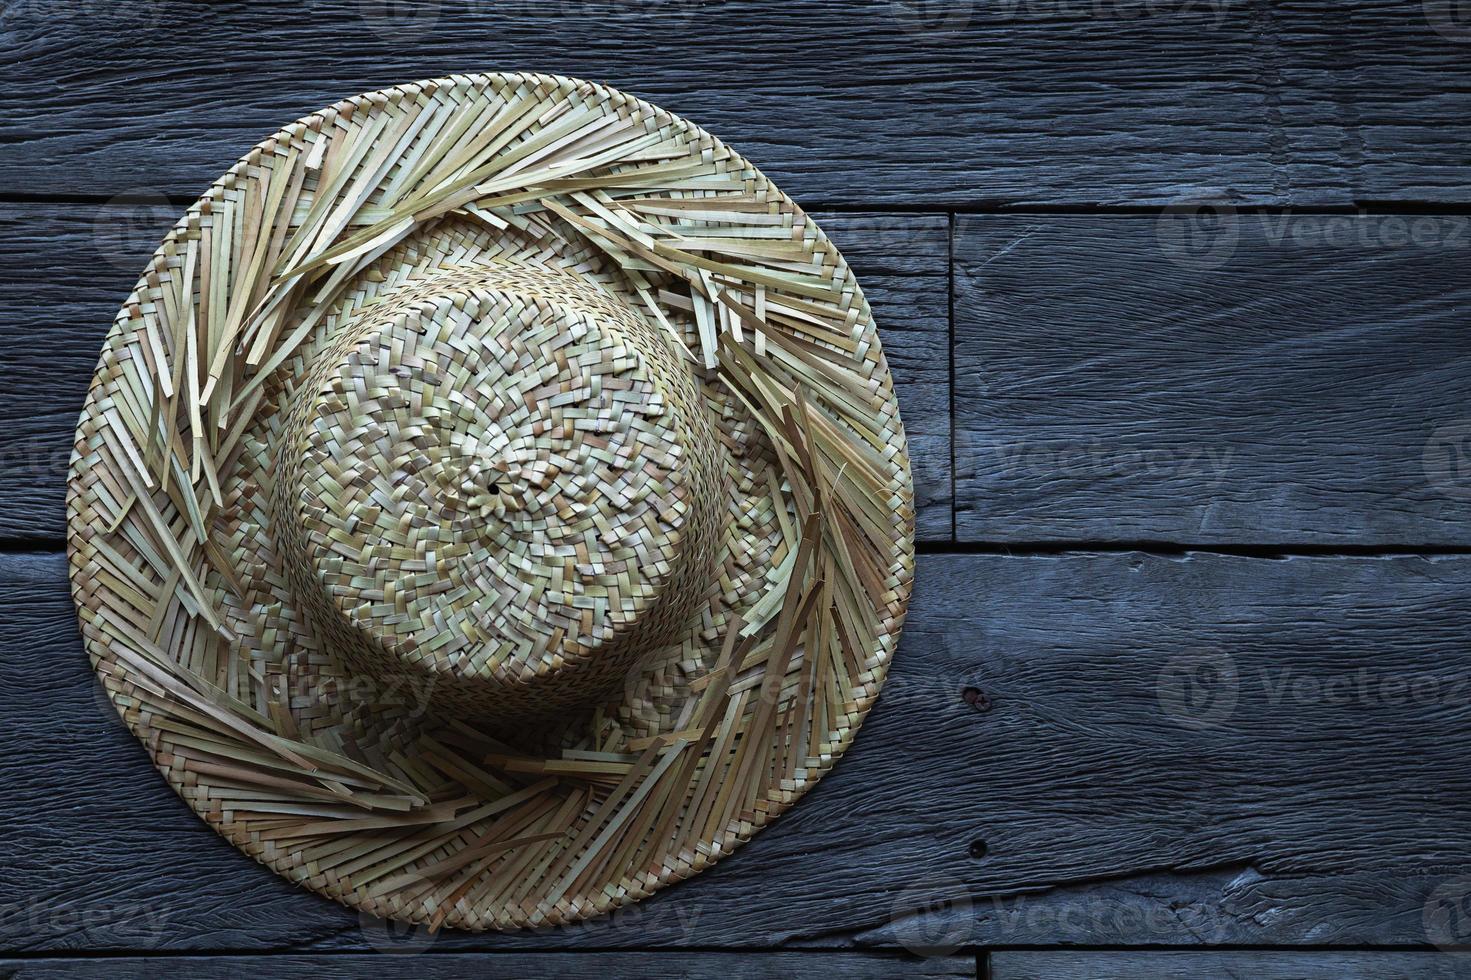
(1175, 295)
(873, 101)
(512, 966)
(1230, 378)
(1201, 749)
(1246, 965)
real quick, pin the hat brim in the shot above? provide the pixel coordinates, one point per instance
(355, 792)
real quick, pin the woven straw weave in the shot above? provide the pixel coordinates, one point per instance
(491, 504)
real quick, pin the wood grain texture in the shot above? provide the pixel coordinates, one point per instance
(70, 267)
(871, 102)
(520, 966)
(1294, 379)
(1200, 750)
(1234, 965)
(68, 270)
(902, 262)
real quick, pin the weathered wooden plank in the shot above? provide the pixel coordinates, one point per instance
(68, 268)
(1198, 750)
(1228, 378)
(868, 101)
(1233, 965)
(902, 262)
(571, 966)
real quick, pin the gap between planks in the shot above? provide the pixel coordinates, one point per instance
(1042, 549)
(1013, 208)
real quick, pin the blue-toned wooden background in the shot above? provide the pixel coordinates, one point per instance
(1178, 297)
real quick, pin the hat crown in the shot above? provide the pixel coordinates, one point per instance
(499, 483)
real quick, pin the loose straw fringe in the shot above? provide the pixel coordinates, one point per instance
(457, 828)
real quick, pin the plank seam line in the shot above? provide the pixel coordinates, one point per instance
(991, 207)
(1029, 549)
(878, 953)
(1210, 948)
(1038, 549)
(874, 952)
(950, 350)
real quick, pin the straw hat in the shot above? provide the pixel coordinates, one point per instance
(491, 504)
